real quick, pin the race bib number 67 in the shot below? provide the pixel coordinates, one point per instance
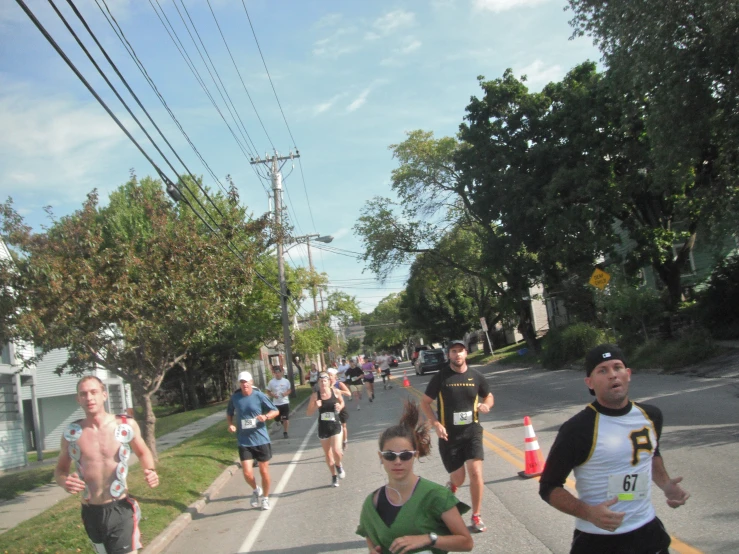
(628, 486)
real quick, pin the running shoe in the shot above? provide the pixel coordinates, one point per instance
(372, 398)
(255, 497)
(477, 523)
(359, 407)
(265, 503)
(284, 435)
(334, 480)
(341, 472)
(451, 486)
(343, 445)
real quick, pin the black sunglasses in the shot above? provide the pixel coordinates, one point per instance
(404, 456)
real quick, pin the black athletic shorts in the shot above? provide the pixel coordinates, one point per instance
(113, 527)
(343, 415)
(456, 451)
(261, 453)
(647, 539)
(284, 410)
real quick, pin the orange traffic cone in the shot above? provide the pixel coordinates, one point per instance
(534, 458)
(406, 382)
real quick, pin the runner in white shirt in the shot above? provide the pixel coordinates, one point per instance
(278, 389)
(341, 375)
(384, 362)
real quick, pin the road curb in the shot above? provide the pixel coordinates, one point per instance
(162, 540)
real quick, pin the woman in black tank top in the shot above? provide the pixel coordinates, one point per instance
(329, 405)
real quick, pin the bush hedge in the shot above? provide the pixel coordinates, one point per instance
(563, 345)
(717, 303)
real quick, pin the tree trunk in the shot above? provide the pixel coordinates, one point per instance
(192, 394)
(526, 325)
(300, 371)
(148, 429)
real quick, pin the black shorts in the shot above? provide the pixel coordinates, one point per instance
(343, 415)
(261, 453)
(113, 526)
(329, 429)
(647, 539)
(284, 410)
(368, 379)
(456, 451)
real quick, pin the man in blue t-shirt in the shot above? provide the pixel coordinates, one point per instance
(252, 409)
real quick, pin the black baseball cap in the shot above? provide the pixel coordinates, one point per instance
(602, 353)
(457, 342)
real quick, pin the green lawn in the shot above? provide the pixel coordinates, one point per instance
(506, 355)
(18, 482)
(59, 529)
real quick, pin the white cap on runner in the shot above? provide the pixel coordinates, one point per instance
(245, 376)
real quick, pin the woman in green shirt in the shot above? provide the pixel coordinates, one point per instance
(411, 515)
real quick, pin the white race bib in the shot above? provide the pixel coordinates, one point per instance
(628, 486)
(462, 418)
(328, 416)
(249, 423)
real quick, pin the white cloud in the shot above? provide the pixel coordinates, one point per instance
(498, 6)
(328, 20)
(409, 45)
(326, 106)
(389, 23)
(538, 74)
(49, 141)
(336, 44)
(359, 101)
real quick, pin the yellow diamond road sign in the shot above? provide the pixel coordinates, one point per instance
(599, 279)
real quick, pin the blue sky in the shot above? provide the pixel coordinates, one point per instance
(352, 77)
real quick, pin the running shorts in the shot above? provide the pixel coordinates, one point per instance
(284, 410)
(343, 415)
(261, 453)
(113, 528)
(650, 538)
(455, 452)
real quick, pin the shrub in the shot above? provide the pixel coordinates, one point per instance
(717, 302)
(567, 344)
(691, 346)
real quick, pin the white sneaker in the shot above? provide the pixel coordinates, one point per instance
(359, 407)
(340, 471)
(265, 503)
(334, 481)
(255, 497)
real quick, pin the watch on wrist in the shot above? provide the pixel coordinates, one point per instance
(433, 537)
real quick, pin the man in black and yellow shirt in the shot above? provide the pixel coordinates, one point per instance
(462, 394)
(613, 448)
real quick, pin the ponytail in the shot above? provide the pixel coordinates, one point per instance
(410, 429)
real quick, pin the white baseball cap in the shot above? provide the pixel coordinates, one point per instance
(245, 376)
(332, 370)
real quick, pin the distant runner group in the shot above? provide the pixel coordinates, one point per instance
(611, 446)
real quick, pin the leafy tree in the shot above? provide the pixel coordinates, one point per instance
(384, 327)
(130, 287)
(674, 63)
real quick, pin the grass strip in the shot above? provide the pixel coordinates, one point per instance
(185, 472)
(507, 355)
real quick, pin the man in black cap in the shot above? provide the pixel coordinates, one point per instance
(462, 394)
(612, 446)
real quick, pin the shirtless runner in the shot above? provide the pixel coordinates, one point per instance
(101, 445)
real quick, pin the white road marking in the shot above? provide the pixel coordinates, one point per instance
(251, 538)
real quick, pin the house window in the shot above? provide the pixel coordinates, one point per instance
(689, 263)
(5, 355)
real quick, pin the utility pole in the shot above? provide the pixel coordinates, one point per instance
(276, 175)
(325, 239)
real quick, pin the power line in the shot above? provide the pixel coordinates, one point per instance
(171, 187)
(287, 125)
(236, 67)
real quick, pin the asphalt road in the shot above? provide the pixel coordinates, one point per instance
(699, 442)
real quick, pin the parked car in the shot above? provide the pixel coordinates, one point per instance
(416, 350)
(394, 361)
(430, 360)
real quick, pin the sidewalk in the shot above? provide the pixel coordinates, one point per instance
(32, 503)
